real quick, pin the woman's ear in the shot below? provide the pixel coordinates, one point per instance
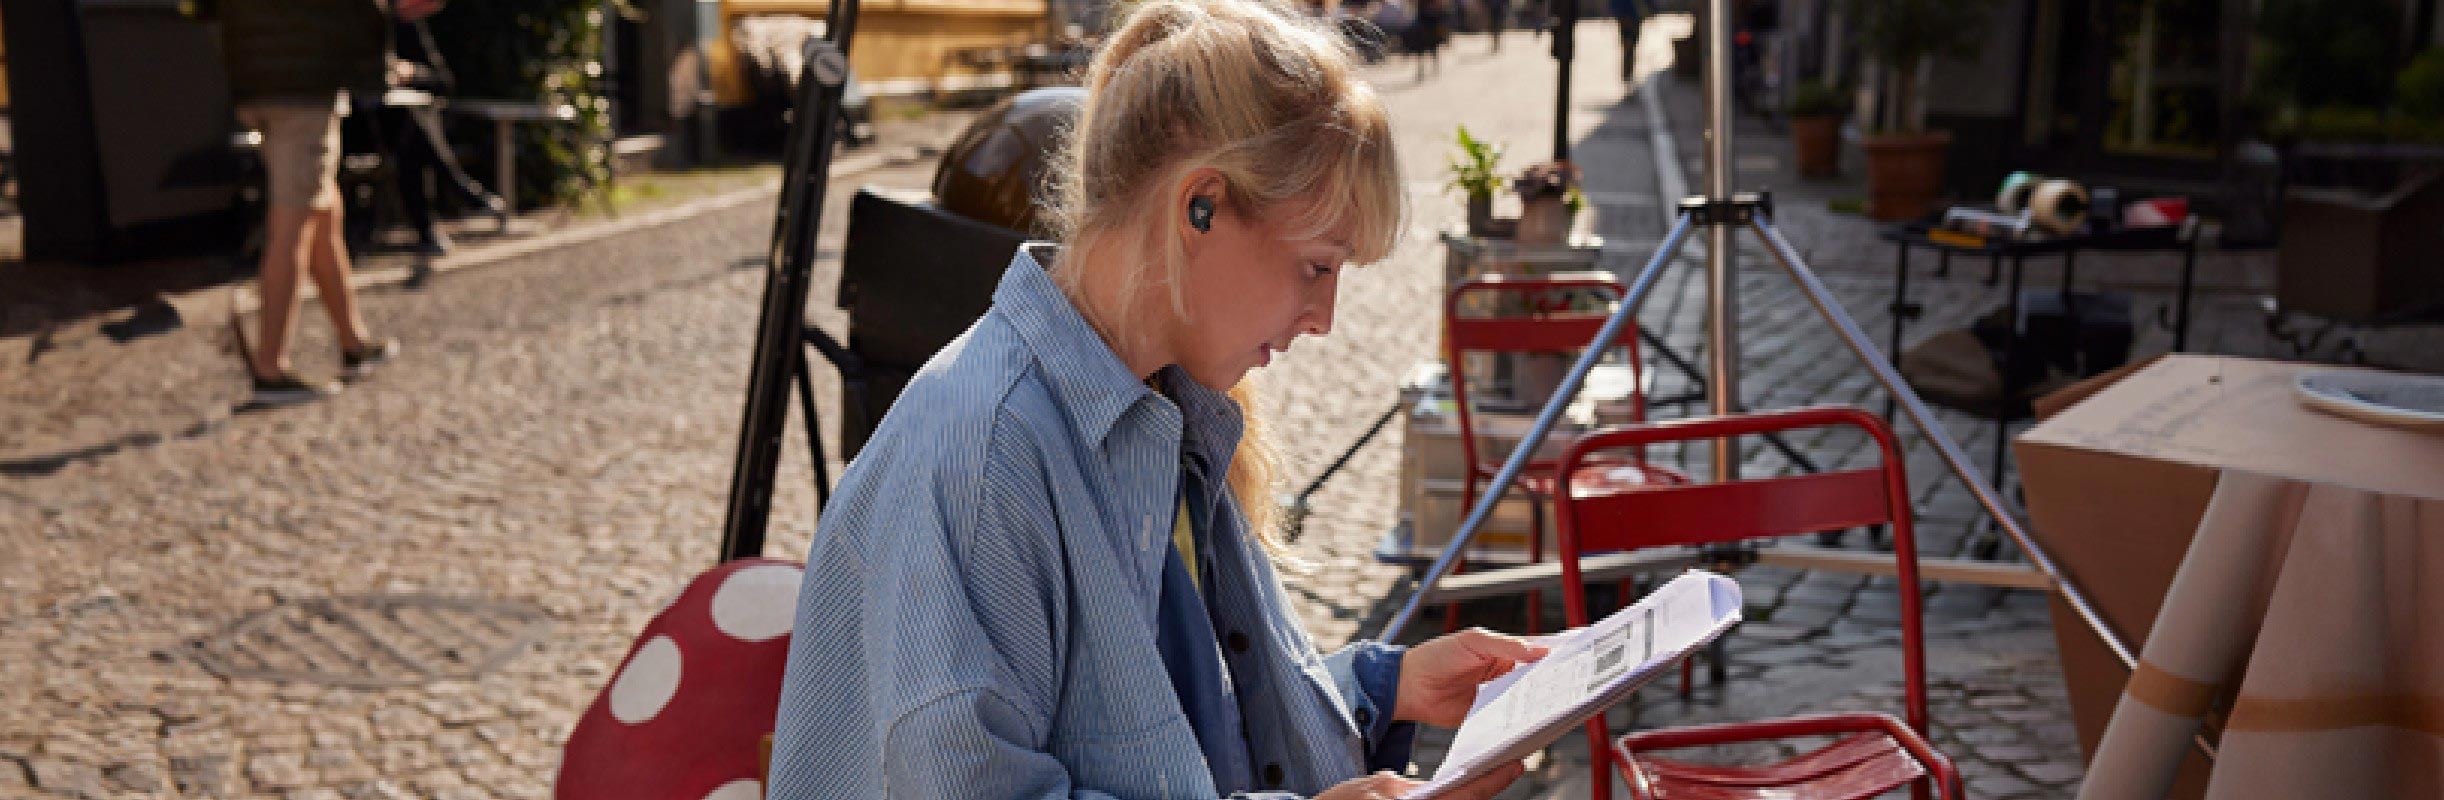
(1199, 199)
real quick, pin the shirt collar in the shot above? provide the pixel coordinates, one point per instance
(1089, 379)
(1213, 420)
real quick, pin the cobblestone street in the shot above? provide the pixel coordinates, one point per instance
(558, 437)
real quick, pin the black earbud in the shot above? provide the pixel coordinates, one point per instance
(1201, 213)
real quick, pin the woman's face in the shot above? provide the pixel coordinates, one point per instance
(1251, 291)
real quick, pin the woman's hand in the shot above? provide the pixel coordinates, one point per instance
(1438, 679)
(1387, 786)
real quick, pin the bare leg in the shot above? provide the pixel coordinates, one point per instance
(284, 240)
(328, 262)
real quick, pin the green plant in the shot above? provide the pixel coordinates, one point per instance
(1903, 34)
(2359, 125)
(539, 51)
(2419, 90)
(1473, 169)
(1817, 99)
(2320, 53)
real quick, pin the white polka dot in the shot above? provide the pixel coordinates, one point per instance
(758, 602)
(738, 789)
(650, 680)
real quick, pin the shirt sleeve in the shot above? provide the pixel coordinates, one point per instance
(1368, 676)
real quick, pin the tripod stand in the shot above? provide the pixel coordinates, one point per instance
(782, 334)
(1722, 213)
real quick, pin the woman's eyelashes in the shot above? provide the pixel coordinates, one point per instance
(1318, 269)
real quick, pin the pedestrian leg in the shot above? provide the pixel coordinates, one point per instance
(284, 243)
(328, 263)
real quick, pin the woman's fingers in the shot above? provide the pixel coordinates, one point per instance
(1379, 786)
(1488, 785)
(1509, 648)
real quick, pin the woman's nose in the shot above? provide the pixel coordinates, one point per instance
(1319, 313)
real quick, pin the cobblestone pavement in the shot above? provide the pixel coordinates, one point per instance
(559, 435)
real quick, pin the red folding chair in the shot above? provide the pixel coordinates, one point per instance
(1878, 753)
(1548, 327)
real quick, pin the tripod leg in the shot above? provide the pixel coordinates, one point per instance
(814, 435)
(1924, 417)
(1483, 508)
(1679, 362)
(1900, 302)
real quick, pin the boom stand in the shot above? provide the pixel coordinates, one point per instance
(1719, 212)
(782, 334)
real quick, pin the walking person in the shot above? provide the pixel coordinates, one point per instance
(291, 65)
(410, 137)
(1428, 28)
(1631, 15)
(1497, 18)
(1050, 572)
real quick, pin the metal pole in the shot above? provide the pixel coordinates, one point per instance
(1722, 308)
(781, 326)
(1565, 42)
(1924, 417)
(1621, 317)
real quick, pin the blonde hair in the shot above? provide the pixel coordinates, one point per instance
(1257, 92)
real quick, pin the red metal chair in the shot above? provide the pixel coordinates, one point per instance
(1548, 327)
(1879, 753)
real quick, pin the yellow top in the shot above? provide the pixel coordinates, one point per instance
(1185, 538)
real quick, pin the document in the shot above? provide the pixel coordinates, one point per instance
(1588, 670)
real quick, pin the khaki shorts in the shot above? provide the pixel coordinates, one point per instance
(300, 152)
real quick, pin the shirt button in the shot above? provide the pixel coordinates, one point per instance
(1366, 717)
(1272, 776)
(1237, 642)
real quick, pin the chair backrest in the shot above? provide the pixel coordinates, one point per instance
(1542, 330)
(1749, 508)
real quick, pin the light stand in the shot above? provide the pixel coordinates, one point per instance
(1719, 211)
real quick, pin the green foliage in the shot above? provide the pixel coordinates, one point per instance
(546, 51)
(1473, 168)
(1902, 32)
(1817, 99)
(2325, 53)
(2360, 125)
(2419, 90)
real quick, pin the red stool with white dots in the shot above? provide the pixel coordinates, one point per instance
(689, 713)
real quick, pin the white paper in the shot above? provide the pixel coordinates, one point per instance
(1587, 671)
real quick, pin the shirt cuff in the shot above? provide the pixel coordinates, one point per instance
(1375, 669)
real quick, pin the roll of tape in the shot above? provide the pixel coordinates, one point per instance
(2014, 194)
(2059, 206)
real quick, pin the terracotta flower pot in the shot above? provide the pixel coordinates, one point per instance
(1544, 222)
(1817, 140)
(1904, 174)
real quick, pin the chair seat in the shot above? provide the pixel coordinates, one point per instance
(1538, 476)
(1858, 766)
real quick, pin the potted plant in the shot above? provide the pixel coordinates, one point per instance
(1904, 159)
(1473, 174)
(1816, 111)
(1545, 192)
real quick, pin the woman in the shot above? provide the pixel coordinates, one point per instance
(1039, 578)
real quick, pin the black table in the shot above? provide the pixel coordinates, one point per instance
(1997, 250)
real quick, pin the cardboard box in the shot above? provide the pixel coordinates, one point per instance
(2116, 483)
(1432, 463)
(1436, 513)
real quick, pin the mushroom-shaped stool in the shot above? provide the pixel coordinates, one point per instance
(686, 716)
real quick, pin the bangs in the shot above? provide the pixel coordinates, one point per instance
(1355, 188)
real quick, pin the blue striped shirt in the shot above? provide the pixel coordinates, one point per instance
(979, 614)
